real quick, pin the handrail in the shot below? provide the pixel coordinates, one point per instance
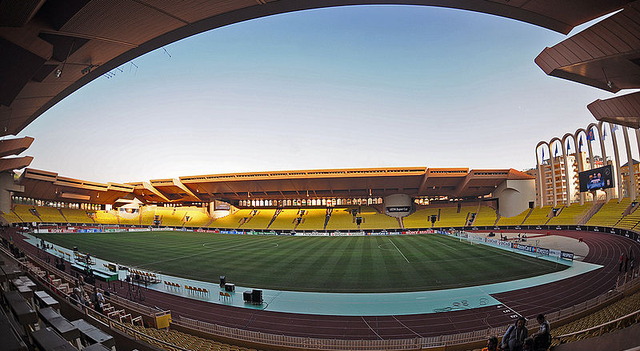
(134, 306)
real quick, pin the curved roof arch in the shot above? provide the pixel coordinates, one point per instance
(51, 48)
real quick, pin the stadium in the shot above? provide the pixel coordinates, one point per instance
(385, 258)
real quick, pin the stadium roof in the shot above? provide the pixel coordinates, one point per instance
(13, 147)
(338, 183)
(606, 56)
(52, 48)
(46, 185)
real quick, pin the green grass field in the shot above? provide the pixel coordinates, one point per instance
(325, 264)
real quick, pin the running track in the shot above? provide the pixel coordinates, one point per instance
(604, 249)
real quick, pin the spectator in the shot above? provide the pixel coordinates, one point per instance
(542, 339)
(492, 344)
(81, 296)
(620, 262)
(75, 296)
(98, 300)
(626, 264)
(513, 339)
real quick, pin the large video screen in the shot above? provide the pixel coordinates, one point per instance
(596, 179)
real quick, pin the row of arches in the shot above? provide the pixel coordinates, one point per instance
(556, 154)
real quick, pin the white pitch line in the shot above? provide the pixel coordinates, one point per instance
(394, 244)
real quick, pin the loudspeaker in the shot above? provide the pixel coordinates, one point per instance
(223, 280)
(433, 218)
(229, 287)
(247, 295)
(256, 296)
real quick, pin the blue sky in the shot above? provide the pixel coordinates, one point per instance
(365, 86)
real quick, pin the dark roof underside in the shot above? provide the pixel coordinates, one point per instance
(51, 48)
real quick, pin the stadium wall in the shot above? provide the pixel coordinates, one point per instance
(7, 186)
(514, 196)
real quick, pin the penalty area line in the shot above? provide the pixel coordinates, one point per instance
(394, 245)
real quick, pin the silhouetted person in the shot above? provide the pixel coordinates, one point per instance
(542, 339)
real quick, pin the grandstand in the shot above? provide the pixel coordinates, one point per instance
(286, 220)
(515, 220)
(186, 341)
(313, 219)
(342, 219)
(450, 216)
(570, 215)
(127, 219)
(595, 321)
(76, 216)
(420, 218)
(233, 220)
(147, 215)
(610, 214)
(170, 216)
(50, 215)
(197, 217)
(631, 219)
(259, 219)
(106, 217)
(11, 217)
(26, 213)
(538, 216)
(484, 215)
(371, 219)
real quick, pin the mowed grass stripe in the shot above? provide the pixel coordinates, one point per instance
(326, 264)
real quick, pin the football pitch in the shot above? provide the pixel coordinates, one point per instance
(321, 264)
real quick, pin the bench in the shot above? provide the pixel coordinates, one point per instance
(90, 335)
(47, 340)
(60, 324)
(44, 300)
(23, 312)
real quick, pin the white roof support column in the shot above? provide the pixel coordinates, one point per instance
(579, 158)
(616, 162)
(565, 154)
(539, 161)
(553, 171)
(631, 180)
